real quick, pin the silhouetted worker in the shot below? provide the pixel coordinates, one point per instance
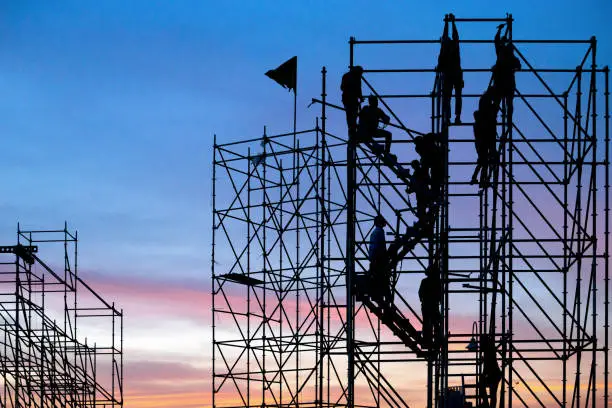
(379, 260)
(504, 82)
(352, 96)
(485, 137)
(369, 117)
(430, 295)
(419, 185)
(491, 373)
(449, 66)
(429, 148)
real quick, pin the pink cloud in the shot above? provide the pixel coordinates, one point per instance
(160, 298)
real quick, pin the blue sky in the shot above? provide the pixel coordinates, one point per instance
(109, 107)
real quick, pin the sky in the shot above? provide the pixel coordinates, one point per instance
(108, 114)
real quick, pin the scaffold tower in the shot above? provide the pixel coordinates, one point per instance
(62, 343)
(523, 260)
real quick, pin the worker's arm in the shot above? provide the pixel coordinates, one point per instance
(498, 39)
(455, 32)
(384, 117)
(442, 47)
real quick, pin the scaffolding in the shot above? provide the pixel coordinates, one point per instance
(524, 261)
(61, 342)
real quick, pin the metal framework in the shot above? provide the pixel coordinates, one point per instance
(61, 342)
(525, 261)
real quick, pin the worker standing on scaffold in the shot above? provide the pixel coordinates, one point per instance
(485, 138)
(420, 186)
(506, 65)
(449, 66)
(430, 296)
(379, 261)
(352, 97)
(430, 148)
(369, 117)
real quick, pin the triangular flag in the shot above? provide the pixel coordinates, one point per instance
(286, 74)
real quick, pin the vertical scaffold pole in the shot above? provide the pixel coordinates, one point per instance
(606, 233)
(350, 255)
(212, 261)
(508, 324)
(322, 210)
(593, 96)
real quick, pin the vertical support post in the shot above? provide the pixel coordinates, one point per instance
(212, 263)
(281, 246)
(566, 247)
(507, 301)
(606, 235)
(296, 273)
(578, 221)
(264, 384)
(350, 255)
(248, 271)
(322, 226)
(593, 96)
(435, 128)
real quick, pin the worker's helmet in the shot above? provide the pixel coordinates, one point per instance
(372, 100)
(418, 144)
(415, 163)
(380, 221)
(357, 68)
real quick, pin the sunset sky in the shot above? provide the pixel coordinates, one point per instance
(108, 111)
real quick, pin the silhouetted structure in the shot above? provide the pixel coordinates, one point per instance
(61, 343)
(525, 258)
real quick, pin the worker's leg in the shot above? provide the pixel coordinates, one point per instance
(351, 109)
(421, 207)
(458, 85)
(386, 135)
(509, 107)
(477, 169)
(447, 93)
(388, 138)
(372, 279)
(388, 286)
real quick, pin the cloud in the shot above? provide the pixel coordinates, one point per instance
(162, 298)
(166, 384)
